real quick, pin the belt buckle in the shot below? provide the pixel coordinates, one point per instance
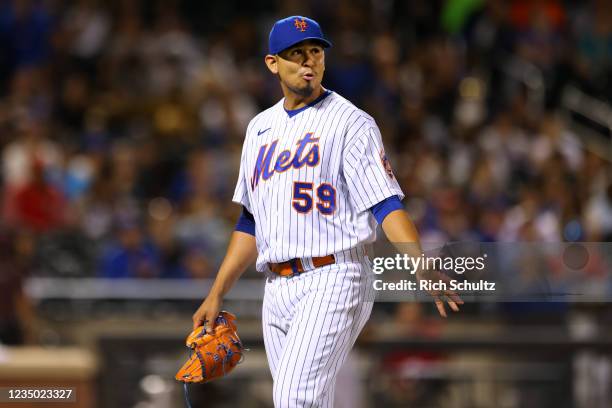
(294, 267)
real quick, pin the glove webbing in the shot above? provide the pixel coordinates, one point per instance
(228, 356)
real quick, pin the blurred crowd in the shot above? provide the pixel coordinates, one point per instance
(121, 122)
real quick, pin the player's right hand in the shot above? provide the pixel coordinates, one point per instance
(207, 313)
(439, 296)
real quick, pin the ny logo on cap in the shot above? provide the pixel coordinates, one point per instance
(300, 25)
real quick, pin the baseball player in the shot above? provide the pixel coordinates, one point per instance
(314, 182)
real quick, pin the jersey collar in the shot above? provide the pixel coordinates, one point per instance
(294, 112)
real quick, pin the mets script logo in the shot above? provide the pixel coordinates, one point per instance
(386, 164)
(300, 25)
(268, 163)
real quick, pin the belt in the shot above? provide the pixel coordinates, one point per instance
(295, 266)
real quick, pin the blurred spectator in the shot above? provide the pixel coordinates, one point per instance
(599, 216)
(97, 207)
(25, 32)
(86, 25)
(30, 146)
(73, 103)
(539, 25)
(196, 264)
(553, 138)
(36, 206)
(29, 100)
(161, 225)
(131, 255)
(349, 68)
(593, 52)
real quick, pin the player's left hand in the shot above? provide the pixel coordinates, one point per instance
(442, 296)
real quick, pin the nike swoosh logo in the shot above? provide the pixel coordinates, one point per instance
(261, 132)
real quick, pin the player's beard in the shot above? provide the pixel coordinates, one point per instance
(304, 91)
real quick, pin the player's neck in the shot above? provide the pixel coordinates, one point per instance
(294, 101)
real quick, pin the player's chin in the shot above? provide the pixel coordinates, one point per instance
(304, 89)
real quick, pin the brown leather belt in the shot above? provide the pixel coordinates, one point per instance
(294, 266)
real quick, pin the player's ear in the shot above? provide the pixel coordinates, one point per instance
(272, 63)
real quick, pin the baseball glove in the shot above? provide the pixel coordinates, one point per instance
(213, 354)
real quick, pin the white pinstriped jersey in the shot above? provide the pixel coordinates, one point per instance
(310, 179)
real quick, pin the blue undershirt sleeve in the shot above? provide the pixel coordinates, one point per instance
(385, 207)
(246, 222)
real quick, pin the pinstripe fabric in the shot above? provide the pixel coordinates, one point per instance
(310, 324)
(349, 148)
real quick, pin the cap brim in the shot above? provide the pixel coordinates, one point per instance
(323, 41)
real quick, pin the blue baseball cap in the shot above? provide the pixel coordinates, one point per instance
(292, 30)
